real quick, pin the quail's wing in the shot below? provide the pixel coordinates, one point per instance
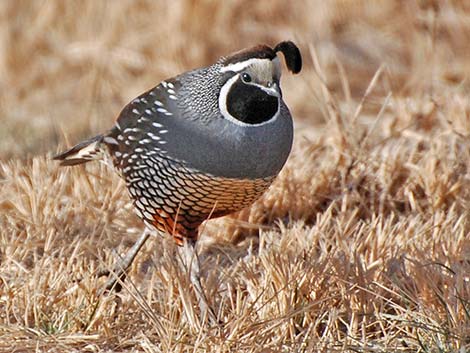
(141, 129)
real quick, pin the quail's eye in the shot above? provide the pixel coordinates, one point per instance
(246, 77)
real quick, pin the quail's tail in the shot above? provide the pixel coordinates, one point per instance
(85, 151)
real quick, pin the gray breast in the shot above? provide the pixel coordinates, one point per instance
(222, 148)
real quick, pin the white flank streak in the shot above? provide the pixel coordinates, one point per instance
(153, 137)
(110, 140)
(157, 125)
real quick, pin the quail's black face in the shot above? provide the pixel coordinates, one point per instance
(251, 93)
(249, 103)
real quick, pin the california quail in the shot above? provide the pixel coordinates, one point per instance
(203, 144)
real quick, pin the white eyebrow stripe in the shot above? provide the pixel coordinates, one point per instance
(237, 67)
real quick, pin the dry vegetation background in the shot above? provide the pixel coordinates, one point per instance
(361, 245)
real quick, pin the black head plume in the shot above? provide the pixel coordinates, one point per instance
(288, 48)
(291, 54)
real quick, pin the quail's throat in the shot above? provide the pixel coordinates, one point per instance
(251, 104)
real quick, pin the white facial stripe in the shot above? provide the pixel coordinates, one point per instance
(273, 91)
(242, 65)
(228, 116)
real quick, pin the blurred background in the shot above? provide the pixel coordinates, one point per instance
(68, 67)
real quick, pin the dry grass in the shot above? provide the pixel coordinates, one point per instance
(363, 242)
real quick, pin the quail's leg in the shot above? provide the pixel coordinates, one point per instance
(192, 262)
(118, 274)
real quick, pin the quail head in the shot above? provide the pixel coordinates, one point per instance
(203, 144)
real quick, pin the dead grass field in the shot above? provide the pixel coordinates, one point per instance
(361, 245)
